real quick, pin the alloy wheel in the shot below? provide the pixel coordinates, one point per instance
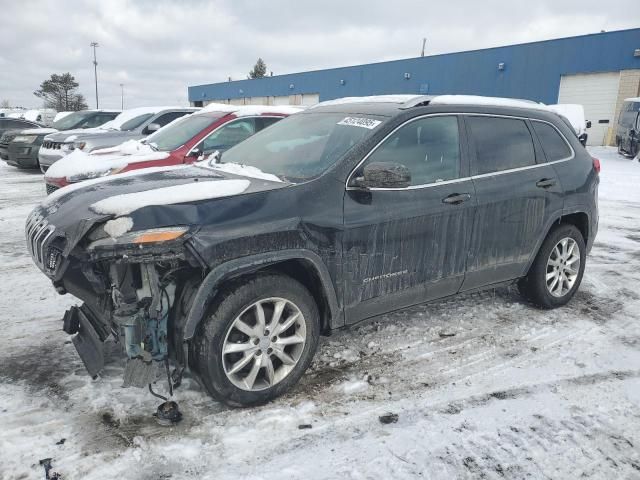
(563, 266)
(264, 344)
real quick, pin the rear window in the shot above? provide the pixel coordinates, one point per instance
(501, 144)
(554, 146)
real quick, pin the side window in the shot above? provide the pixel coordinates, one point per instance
(229, 135)
(264, 122)
(554, 146)
(428, 147)
(96, 120)
(17, 124)
(501, 144)
(167, 118)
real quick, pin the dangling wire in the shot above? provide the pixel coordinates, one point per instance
(156, 394)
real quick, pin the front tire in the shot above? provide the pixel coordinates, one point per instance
(556, 272)
(257, 340)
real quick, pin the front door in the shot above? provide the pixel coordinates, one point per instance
(404, 246)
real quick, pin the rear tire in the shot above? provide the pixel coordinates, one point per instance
(556, 272)
(257, 340)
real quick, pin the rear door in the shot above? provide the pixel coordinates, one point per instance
(404, 246)
(518, 193)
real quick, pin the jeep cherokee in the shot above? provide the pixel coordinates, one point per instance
(233, 267)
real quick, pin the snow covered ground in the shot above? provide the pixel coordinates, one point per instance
(484, 386)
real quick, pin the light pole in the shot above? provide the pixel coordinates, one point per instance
(122, 96)
(95, 68)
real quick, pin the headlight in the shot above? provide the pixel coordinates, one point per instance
(25, 138)
(141, 237)
(89, 175)
(79, 145)
(67, 147)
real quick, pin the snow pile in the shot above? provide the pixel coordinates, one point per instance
(189, 192)
(118, 226)
(237, 169)
(79, 163)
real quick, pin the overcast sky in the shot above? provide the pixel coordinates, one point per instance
(159, 47)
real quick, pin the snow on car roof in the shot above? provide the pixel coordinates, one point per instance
(245, 110)
(368, 99)
(130, 113)
(488, 101)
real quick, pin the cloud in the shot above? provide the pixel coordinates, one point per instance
(159, 47)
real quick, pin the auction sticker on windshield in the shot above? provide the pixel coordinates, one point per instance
(360, 122)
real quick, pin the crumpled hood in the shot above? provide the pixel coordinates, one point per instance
(157, 197)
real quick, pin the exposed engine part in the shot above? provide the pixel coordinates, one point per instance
(168, 413)
(141, 310)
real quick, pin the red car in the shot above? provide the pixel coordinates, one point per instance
(216, 127)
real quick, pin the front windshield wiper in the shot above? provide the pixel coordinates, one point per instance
(153, 146)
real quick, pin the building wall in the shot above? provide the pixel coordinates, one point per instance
(531, 71)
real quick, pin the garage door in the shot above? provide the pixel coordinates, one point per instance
(598, 93)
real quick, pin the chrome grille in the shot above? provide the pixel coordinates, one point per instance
(38, 231)
(53, 145)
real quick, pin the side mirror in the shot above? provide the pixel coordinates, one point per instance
(152, 127)
(583, 139)
(384, 175)
(588, 123)
(196, 152)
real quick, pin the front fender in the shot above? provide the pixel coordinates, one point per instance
(212, 281)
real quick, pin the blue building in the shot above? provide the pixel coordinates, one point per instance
(597, 71)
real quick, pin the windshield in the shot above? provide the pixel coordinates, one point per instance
(303, 146)
(135, 122)
(71, 120)
(180, 131)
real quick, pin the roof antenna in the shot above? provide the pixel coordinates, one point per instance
(424, 42)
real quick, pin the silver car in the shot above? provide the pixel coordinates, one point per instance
(132, 124)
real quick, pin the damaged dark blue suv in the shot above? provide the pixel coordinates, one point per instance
(234, 266)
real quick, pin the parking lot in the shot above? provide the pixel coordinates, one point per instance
(483, 385)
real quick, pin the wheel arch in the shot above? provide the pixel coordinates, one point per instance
(578, 218)
(302, 265)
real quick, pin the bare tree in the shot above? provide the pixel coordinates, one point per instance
(5, 104)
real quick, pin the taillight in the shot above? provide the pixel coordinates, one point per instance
(596, 164)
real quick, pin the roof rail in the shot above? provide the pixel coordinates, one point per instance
(418, 101)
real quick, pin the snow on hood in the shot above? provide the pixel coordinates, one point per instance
(79, 163)
(247, 110)
(119, 205)
(237, 169)
(61, 192)
(38, 131)
(130, 147)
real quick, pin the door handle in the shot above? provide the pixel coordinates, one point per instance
(456, 198)
(546, 183)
